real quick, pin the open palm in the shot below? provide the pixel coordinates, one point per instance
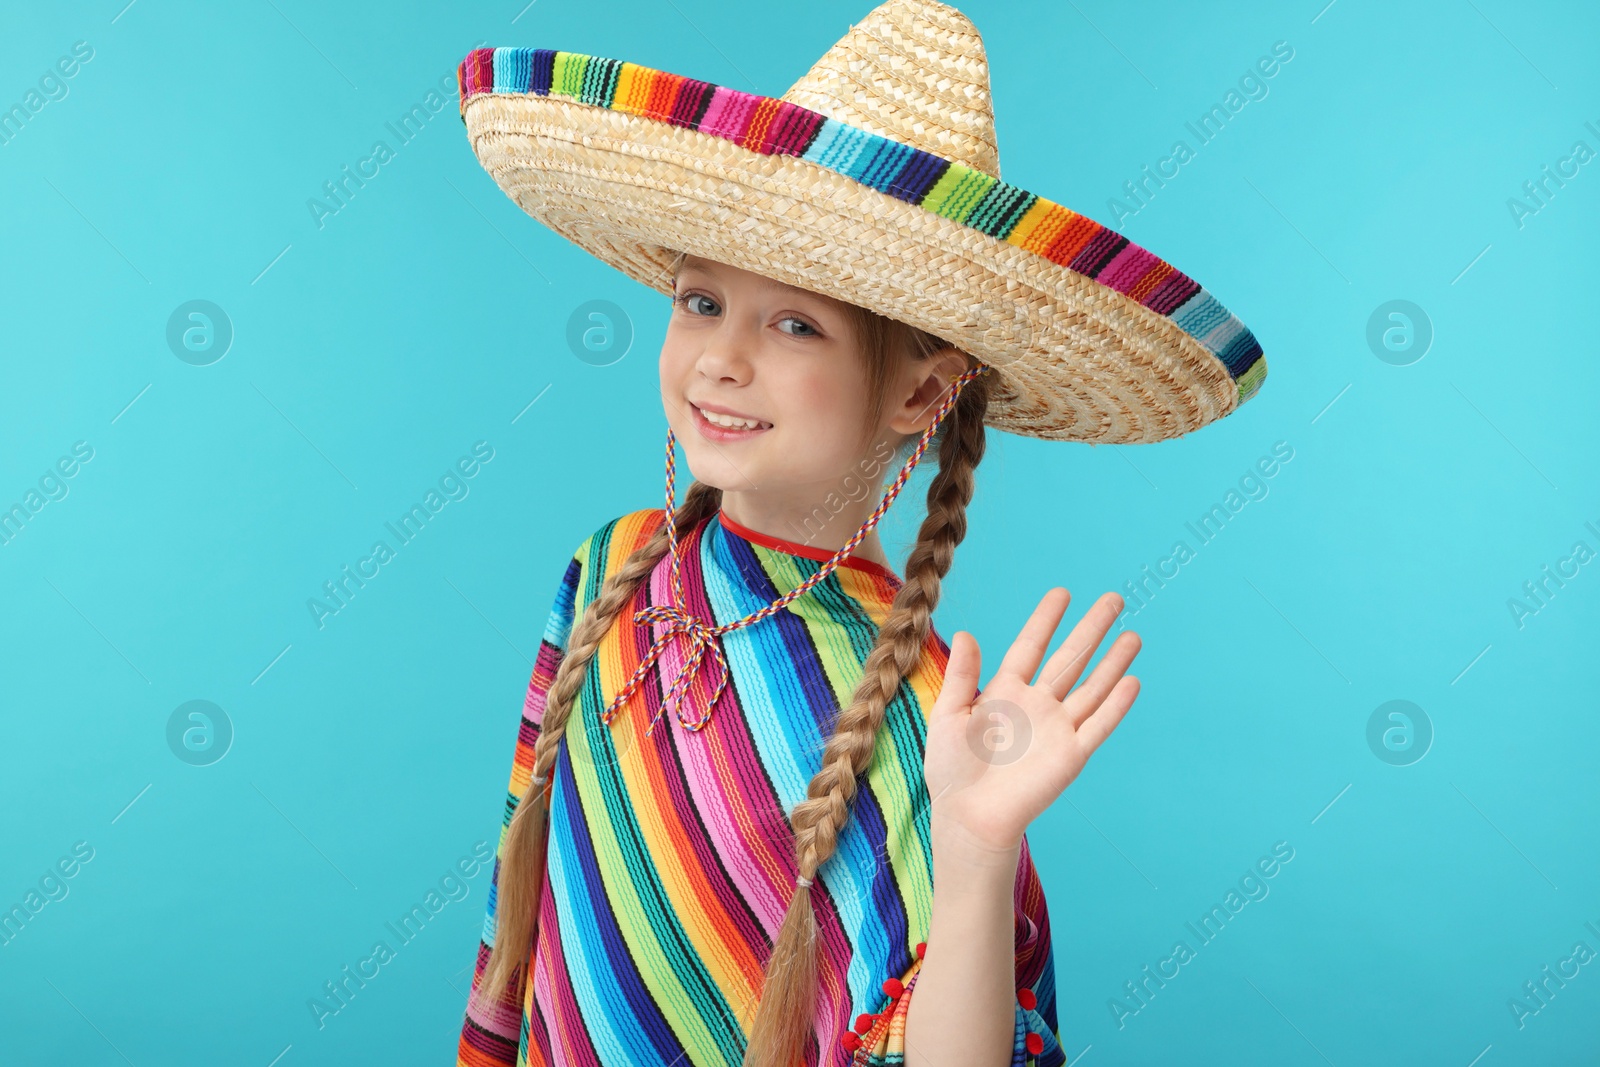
(995, 762)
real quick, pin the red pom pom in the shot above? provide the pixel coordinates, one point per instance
(922, 946)
(1026, 998)
(864, 1023)
(892, 987)
(850, 1041)
(1035, 1044)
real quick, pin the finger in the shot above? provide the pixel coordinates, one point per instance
(960, 676)
(1112, 666)
(1061, 673)
(1022, 659)
(1105, 719)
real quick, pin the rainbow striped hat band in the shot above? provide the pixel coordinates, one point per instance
(873, 180)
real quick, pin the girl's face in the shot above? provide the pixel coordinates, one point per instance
(767, 391)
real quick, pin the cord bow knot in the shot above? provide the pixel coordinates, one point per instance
(702, 639)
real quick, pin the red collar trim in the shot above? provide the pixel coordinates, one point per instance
(793, 548)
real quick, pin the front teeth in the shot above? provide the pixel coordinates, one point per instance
(729, 422)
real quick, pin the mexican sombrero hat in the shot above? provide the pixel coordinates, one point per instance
(874, 180)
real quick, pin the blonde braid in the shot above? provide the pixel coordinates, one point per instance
(522, 862)
(784, 1016)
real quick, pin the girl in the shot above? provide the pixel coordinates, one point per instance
(746, 759)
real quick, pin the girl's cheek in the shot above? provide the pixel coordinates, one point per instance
(820, 397)
(671, 368)
(845, 414)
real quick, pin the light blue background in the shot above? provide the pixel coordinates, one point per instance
(426, 315)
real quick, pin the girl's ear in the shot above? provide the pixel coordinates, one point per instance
(923, 385)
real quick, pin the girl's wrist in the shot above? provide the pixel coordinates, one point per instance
(959, 848)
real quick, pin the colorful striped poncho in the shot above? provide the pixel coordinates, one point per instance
(669, 857)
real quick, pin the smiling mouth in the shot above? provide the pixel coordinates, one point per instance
(730, 423)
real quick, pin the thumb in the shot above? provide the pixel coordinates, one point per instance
(960, 676)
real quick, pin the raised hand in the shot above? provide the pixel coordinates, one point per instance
(995, 763)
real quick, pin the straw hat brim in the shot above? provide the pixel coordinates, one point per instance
(1075, 358)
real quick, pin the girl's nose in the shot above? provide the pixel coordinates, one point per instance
(726, 353)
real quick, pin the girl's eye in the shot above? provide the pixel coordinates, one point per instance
(806, 329)
(688, 300)
(700, 305)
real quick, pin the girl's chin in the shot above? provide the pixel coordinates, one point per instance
(713, 469)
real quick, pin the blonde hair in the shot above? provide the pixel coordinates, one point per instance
(783, 1020)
